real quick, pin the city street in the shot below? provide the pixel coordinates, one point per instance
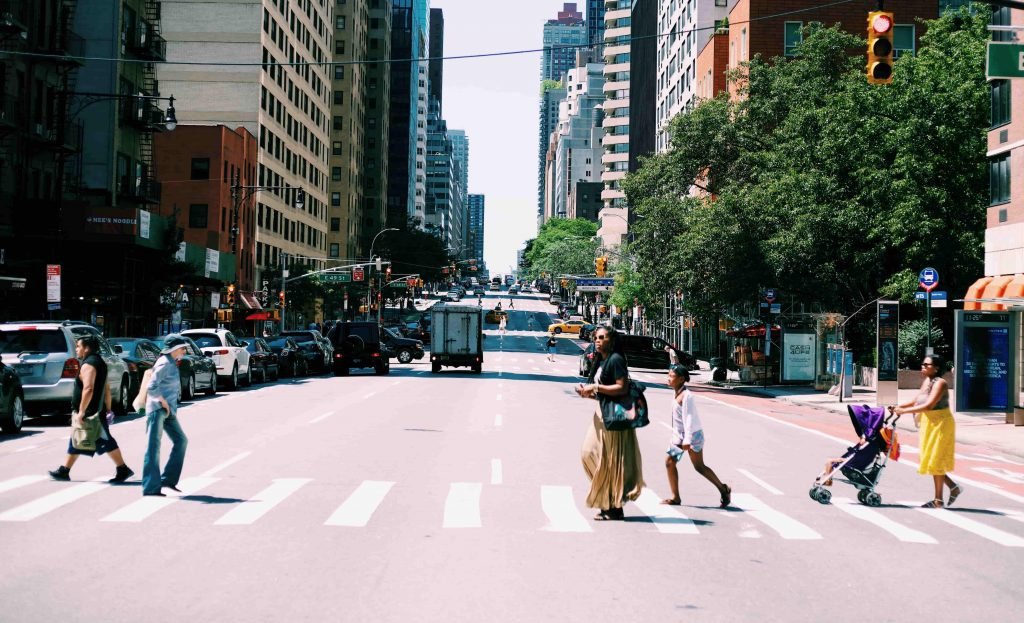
(458, 497)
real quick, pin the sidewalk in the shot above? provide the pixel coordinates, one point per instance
(973, 429)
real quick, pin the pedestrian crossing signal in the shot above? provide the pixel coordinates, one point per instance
(601, 266)
(880, 47)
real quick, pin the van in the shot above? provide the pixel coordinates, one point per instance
(644, 351)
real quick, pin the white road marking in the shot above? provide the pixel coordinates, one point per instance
(47, 503)
(25, 448)
(143, 508)
(786, 526)
(905, 449)
(260, 504)
(462, 507)
(495, 471)
(356, 511)
(498, 397)
(321, 418)
(225, 464)
(667, 519)
(560, 509)
(898, 530)
(962, 521)
(1005, 474)
(20, 481)
(763, 484)
(497, 419)
(998, 457)
(370, 395)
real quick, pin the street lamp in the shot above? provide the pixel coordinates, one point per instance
(369, 298)
(240, 193)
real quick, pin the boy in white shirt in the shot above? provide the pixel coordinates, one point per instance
(687, 436)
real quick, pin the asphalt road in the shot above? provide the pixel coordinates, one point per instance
(458, 497)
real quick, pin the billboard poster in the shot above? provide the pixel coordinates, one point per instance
(798, 356)
(888, 340)
(984, 382)
(53, 283)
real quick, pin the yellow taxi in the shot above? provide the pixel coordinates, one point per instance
(567, 326)
(494, 316)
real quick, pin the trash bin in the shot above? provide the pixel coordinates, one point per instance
(1018, 416)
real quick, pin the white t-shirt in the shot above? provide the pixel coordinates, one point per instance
(685, 421)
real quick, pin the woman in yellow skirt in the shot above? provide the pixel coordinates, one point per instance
(938, 430)
(611, 459)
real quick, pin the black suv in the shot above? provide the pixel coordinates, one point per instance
(359, 345)
(402, 348)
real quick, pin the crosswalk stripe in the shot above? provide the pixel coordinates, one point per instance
(1015, 515)
(786, 526)
(251, 510)
(764, 484)
(145, 507)
(20, 481)
(667, 519)
(47, 503)
(356, 511)
(976, 527)
(496, 475)
(561, 511)
(898, 530)
(462, 507)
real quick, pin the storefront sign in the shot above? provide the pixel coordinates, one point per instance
(798, 356)
(984, 362)
(111, 221)
(888, 340)
(144, 217)
(212, 262)
(53, 284)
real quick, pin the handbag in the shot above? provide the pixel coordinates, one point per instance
(627, 411)
(85, 431)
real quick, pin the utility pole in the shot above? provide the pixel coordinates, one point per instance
(284, 281)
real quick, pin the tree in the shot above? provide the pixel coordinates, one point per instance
(413, 251)
(563, 247)
(830, 189)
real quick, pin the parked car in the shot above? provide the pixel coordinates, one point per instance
(12, 400)
(513, 289)
(644, 351)
(526, 289)
(554, 299)
(453, 295)
(495, 287)
(228, 353)
(402, 348)
(140, 354)
(478, 291)
(42, 353)
(262, 359)
(494, 316)
(197, 370)
(359, 345)
(290, 358)
(566, 326)
(314, 351)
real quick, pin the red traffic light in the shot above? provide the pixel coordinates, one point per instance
(881, 23)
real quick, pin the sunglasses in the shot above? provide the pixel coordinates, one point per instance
(927, 365)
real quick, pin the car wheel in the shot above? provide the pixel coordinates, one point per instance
(435, 367)
(558, 330)
(277, 373)
(11, 423)
(247, 379)
(190, 388)
(233, 379)
(404, 356)
(213, 385)
(123, 402)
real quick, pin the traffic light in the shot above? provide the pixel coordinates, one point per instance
(281, 298)
(231, 295)
(387, 274)
(881, 26)
(600, 266)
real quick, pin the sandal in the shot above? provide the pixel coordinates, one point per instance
(726, 497)
(936, 503)
(672, 502)
(612, 514)
(954, 493)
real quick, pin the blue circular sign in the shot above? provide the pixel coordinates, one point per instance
(928, 278)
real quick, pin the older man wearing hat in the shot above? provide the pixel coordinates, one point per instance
(161, 416)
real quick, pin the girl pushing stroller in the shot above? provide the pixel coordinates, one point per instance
(863, 463)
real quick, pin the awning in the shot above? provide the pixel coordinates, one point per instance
(249, 301)
(995, 293)
(752, 330)
(259, 316)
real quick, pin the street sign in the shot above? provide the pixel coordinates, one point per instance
(357, 273)
(776, 308)
(769, 295)
(939, 298)
(337, 278)
(53, 284)
(1004, 60)
(594, 285)
(929, 279)
(398, 285)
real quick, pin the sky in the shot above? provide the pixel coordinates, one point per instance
(495, 100)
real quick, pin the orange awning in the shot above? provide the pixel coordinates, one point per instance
(974, 292)
(995, 289)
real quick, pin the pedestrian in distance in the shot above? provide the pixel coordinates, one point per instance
(90, 391)
(511, 303)
(503, 323)
(688, 437)
(529, 323)
(930, 409)
(162, 416)
(552, 345)
(611, 459)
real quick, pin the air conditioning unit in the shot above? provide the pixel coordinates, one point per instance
(40, 129)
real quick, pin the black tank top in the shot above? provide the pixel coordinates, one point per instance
(99, 386)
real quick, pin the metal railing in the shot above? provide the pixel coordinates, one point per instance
(143, 188)
(147, 44)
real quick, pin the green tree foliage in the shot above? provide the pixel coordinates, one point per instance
(563, 247)
(413, 251)
(913, 340)
(828, 188)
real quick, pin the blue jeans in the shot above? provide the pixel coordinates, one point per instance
(157, 422)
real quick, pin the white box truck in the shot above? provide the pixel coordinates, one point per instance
(457, 337)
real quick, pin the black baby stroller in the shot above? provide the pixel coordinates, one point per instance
(863, 464)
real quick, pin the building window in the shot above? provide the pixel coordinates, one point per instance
(339, 23)
(903, 40)
(952, 5)
(339, 122)
(198, 215)
(1001, 17)
(336, 148)
(335, 249)
(335, 224)
(339, 97)
(336, 199)
(339, 72)
(200, 169)
(794, 35)
(335, 174)
(999, 179)
(1000, 102)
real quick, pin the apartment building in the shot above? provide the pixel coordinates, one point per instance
(376, 131)
(617, 34)
(552, 94)
(345, 187)
(688, 25)
(477, 212)
(408, 113)
(435, 70)
(595, 25)
(563, 36)
(286, 106)
(578, 152)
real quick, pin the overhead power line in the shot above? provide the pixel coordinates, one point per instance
(426, 59)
